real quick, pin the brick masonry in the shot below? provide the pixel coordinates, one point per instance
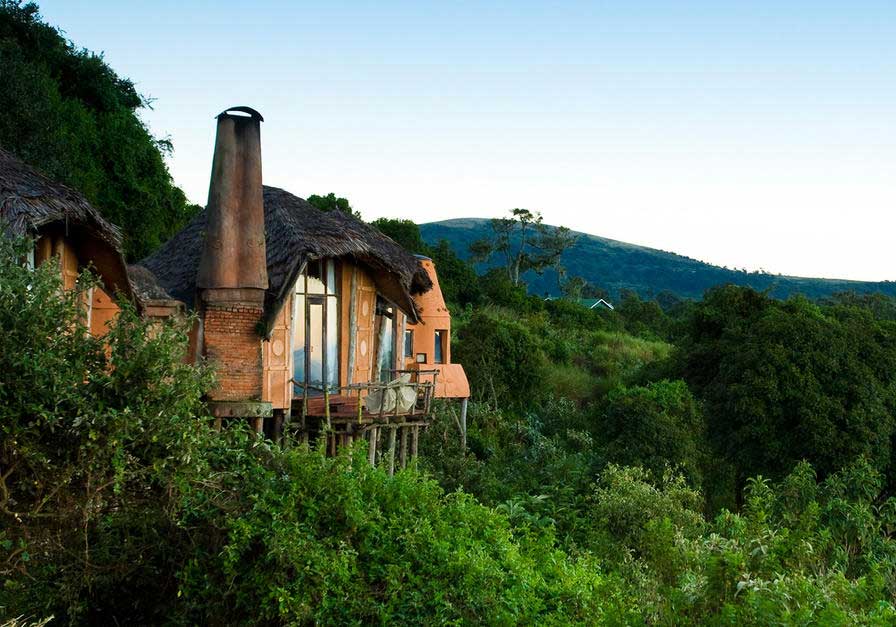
(233, 345)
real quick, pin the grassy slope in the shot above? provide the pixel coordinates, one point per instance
(615, 265)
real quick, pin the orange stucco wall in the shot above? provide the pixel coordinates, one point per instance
(101, 307)
(103, 310)
(451, 381)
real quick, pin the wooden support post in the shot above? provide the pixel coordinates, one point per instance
(371, 452)
(403, 451)
(278, 426)
(391, 451)
(415, 441)
(219, 422)
(258, 425)
(463, 423)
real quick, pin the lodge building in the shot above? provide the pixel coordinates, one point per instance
(314, 321)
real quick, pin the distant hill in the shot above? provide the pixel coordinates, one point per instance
(614, 265)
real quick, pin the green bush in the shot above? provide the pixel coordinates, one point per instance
(786, 381)
(335, 541)
(655, 426)
(96, 437)
(502, 358)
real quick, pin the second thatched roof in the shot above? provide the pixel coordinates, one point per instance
(295, 232)
(32, 204)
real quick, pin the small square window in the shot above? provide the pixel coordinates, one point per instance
(421, 358)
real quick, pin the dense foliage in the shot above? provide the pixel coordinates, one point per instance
(119, 502)
(331, 202)
(67, 113)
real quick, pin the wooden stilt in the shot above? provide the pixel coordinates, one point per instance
(371, 452)
(415, 441)
(403, 451)
(391, 451)
(463, 423)
(278, 426)
(219, 422)
(258, 425)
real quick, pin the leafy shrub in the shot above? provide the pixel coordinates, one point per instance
(786, 381)
(654, 426)
(503, 360)
(336, 541)
(96, 435)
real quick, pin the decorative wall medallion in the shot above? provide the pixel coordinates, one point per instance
(277, 347)
(363, 348)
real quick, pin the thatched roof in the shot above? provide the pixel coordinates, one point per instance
(296, 231)
(145, 284)
(31, 204)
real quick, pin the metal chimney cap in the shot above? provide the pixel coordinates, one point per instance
(252, 112)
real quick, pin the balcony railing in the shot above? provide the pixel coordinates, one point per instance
(347, 402)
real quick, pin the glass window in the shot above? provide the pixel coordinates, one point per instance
(387, 351)
(439, 356)
(409, 343)
(315, 328)
(315, 277)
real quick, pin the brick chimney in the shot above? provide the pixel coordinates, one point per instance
(232, 276)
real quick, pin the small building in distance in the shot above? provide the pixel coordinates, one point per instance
(590, 303)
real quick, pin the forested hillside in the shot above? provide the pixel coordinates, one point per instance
(615, 266)
(68, 113)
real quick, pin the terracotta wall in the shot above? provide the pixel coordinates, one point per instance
(451, 381)
(99, 305)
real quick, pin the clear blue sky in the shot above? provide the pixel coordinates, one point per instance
(750, 134)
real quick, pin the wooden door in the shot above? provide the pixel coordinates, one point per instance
(276, 386)
(365, 349)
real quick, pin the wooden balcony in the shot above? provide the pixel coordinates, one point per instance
(364, 410)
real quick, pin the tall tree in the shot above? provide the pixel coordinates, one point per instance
(524, 243)
(787, 381)
(67, 113)
(332, 202)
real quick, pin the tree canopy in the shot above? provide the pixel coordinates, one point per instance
(524, 243)
(67, 113)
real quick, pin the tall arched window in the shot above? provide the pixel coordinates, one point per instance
(316, 326)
